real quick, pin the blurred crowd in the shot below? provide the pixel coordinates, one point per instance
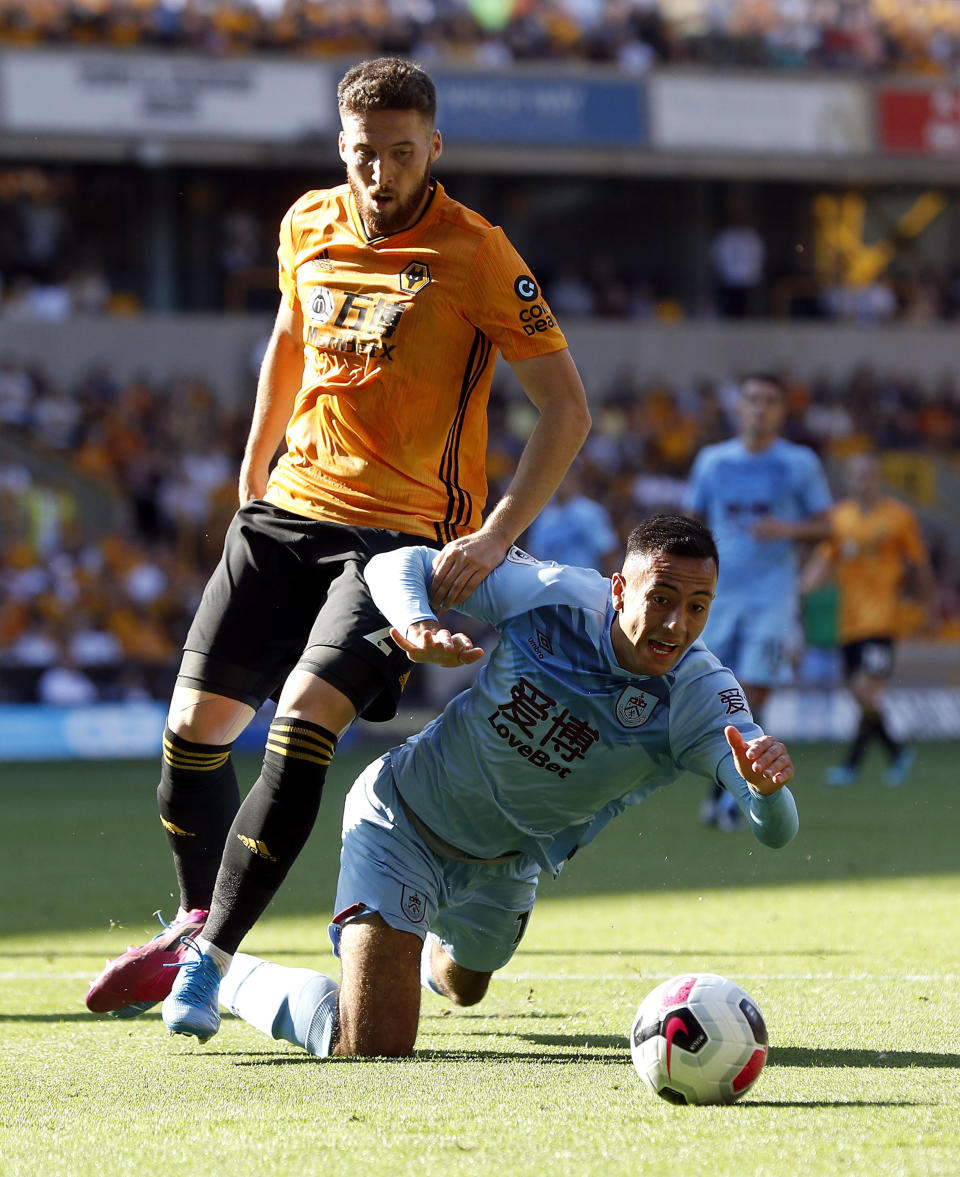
(114, 498)
(58, 258)
(907, 36)
(113, 503)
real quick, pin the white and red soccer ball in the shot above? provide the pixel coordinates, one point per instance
(698, 1038)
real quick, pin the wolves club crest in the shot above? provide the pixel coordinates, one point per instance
(413, 904)
(414, 277)
(635, 707)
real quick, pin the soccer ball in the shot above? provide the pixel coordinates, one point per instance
(698, 1038)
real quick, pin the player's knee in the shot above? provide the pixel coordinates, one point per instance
(469, 989)
(205, 718)
(387, 1040)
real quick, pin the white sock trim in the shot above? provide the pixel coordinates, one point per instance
(220, 958)
(426, 967)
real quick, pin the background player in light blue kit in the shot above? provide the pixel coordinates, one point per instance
(598, 693)
(574, 529)
(760, 495)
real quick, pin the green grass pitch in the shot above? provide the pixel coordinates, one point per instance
(848, 940)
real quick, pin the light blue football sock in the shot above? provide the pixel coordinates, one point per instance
(426, 968)
(297, 1005)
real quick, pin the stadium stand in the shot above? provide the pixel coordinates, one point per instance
(113, 508)
(899, 36)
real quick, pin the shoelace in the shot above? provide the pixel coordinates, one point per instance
(196, 988)
(189, 942)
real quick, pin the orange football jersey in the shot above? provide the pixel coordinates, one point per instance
(871, 551)
(400, 335)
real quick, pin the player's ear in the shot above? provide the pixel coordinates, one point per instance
(617, 586)
(436, 145)
(342, 146)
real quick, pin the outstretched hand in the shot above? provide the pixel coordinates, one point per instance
(763, 763)
(424, 643)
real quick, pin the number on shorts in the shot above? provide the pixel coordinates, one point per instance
(522, 919)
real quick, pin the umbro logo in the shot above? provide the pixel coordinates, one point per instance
(541, 644)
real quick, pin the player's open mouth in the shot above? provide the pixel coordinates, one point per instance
(661, 649)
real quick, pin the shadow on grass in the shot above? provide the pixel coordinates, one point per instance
(802, 1056)
(581, 1046)
(617, 952)
(833, 1103)
(244, 1059)
(83, 953)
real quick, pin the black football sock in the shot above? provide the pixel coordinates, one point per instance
(869, 729)
(270, 829)
(198, 799)
(893, 747)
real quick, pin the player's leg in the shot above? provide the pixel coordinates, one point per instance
(248, 632)
(870, 664)
(378, 867)
(294, 1004)
(374, 1010)
(405, 894)
(379, 989)
(478, 928)
(349, 666)
(441, 974)
(268, 832)
(198, 794)
(868, 686)
(239, 646)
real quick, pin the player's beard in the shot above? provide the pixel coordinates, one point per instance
(392, 220)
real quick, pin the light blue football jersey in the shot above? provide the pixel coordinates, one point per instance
(554, 737)
(731, 489)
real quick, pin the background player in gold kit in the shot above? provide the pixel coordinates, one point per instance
(395, 301)
(874, 546)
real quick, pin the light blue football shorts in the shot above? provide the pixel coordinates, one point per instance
(753, 638)
(478, 911)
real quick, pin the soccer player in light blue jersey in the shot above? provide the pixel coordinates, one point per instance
(599, 692)
(760, 495)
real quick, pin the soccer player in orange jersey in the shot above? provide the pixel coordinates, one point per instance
(395, 301)
(874, 545)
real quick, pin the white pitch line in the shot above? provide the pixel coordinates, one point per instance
(919, 978)
(910, 978)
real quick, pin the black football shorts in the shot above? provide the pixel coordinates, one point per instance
(874, 656)
(288, 592)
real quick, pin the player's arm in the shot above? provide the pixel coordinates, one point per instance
(817, 570)
(812, 494)
(756, 773)
(553, 385)
(399, 582)
(922, 583)
(281, 374)
(810, 530)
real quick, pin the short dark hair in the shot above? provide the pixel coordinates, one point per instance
(673, 535)
(770, 378)
(387, 83)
